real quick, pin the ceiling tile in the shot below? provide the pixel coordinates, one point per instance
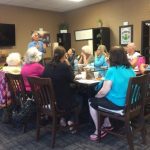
(54, 5)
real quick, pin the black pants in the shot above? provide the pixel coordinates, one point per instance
(104, 102)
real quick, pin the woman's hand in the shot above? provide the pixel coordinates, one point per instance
(67, 62)
(105, 89)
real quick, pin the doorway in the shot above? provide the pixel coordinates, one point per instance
(145, 40)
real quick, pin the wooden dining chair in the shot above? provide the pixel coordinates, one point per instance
(18, 92)
(134, 108)
(44, 96)
(147, 97)
(17, 88)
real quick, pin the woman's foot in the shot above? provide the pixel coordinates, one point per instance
(107, 128)
(63, 122)
(72, 127)
(94, 136)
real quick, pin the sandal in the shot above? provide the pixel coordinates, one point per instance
(110, 128)
(103, 133)
(63, 122)
(72, 128)
(94, 136)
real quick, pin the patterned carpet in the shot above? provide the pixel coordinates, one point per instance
(14, 139)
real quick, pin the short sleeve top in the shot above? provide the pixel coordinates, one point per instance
(119, 76)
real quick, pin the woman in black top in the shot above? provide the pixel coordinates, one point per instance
(59, 70)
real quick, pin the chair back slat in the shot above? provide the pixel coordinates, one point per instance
(135, 94)
(43, 93)
(16, 87)
(147, 89)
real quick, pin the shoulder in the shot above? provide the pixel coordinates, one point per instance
(38, 65)
(40, 42)
(111, 69)
(31, 44)
(64, 65)
(136, 54)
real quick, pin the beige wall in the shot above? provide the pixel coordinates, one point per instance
(113, 13)
(27, 20)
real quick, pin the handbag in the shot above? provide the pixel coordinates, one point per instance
(26, 113)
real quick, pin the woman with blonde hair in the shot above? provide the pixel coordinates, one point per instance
(101, 56)
(31, 67)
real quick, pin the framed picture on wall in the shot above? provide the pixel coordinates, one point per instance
(125, 34)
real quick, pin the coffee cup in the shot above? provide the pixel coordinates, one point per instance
(96, 74)
(83, 74)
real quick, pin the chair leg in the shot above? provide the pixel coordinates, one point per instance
(54, 128)
(38, 127)
(129, 135)
(99, 126)
(143, 130)
(24, 127)
(143, 134)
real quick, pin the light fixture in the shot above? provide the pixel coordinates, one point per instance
(75, 0)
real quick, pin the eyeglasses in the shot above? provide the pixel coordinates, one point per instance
(36, 35)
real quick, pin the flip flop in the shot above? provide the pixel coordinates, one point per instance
(110, 128)
(103, 134)
(63, 122)
(93, 137)
(72, 128)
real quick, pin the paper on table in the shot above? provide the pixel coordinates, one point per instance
(136, 70)
(87, 81)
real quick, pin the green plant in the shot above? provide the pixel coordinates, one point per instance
(100, 22)
(63, 26)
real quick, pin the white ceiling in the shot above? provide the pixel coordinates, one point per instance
(54, 5)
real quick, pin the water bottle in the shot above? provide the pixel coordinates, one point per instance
(75, 64)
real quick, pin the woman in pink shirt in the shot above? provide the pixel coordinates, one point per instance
(32, 67)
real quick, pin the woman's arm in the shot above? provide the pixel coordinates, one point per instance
(133, 62)
(105, 89)
(99, 61)
(143, 68)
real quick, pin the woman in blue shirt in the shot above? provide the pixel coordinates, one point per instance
(101, 57)
(113, 93)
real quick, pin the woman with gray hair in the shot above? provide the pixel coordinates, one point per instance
(86, 55)
(31, 67)
(14, 63)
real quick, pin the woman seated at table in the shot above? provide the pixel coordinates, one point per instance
(86, 56)
(112, 95)
(101, 58)
(70, 55)
(60, 71)
(14, 67)
(31, 66)
(13, 62)
(132, 55)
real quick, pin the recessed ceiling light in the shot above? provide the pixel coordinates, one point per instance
(76, 0)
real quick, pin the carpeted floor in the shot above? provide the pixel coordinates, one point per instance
(14, 139)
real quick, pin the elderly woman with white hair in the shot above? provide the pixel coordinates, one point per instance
(86, 55)
(14, 63)
(32, 67)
